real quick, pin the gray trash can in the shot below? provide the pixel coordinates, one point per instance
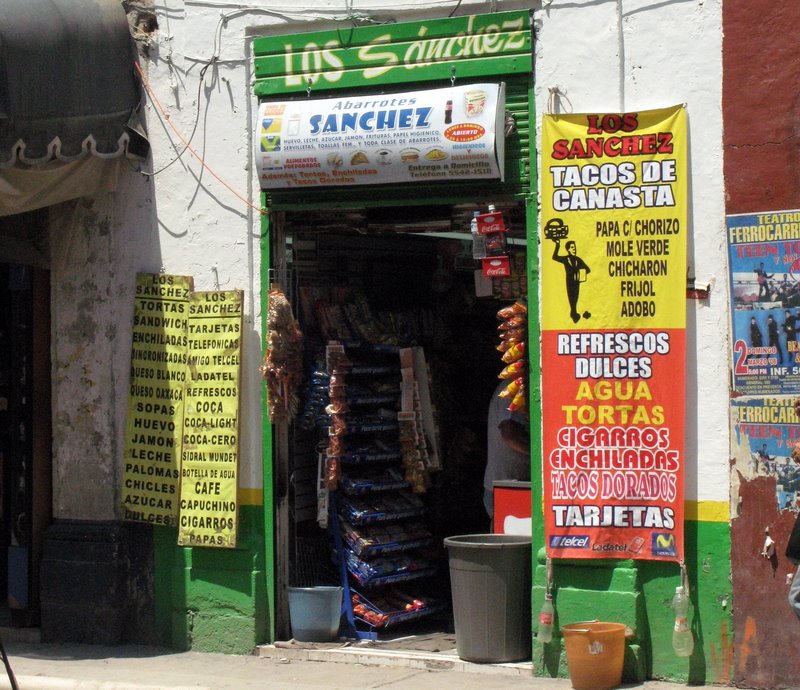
(490, 576)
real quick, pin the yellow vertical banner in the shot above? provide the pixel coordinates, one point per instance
(151, 478)
(209, 469)
(614, 226)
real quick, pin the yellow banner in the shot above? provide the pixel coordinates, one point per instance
(155, 401)
(613, 220)
(209, 472)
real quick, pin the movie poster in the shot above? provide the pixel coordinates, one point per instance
(764, 260)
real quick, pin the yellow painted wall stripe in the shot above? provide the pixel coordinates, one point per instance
(707, 511)
(251, 497)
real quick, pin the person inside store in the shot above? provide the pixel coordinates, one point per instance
(508, 447)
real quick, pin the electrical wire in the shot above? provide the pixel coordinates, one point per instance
(196, 120)
(187, 145)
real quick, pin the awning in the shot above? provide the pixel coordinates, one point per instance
(68, 88)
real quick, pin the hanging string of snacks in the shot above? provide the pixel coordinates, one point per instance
(513, 331)
(282, 368)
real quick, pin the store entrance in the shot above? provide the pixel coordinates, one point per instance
(25, 445)
(395, 297)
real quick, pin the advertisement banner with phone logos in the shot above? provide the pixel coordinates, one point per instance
(764, 265)
(613, 266)
(453, 133)
(210, 460)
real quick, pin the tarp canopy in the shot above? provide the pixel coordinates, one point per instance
(68, 88)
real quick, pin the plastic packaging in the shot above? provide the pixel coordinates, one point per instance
(682, 639)
(546, 615)
(478, 241)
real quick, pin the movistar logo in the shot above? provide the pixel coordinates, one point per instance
(663, 544)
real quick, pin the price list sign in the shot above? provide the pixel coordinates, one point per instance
(210, 444)
(614, 217)
(151, 479)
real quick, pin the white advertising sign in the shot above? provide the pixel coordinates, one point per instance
(453, 133)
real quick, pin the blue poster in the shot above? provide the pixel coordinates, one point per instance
(764, 264)
(765, 429)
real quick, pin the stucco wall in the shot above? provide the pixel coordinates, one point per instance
(627, 56)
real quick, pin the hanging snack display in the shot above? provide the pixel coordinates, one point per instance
(373, 470)
(282, 367)
(513, 332)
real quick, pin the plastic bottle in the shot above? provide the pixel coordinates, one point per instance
(478, 241)
(682, 639)
(546, 615)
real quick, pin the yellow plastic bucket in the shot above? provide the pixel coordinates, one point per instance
(595, 653)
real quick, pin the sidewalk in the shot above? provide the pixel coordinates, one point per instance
(38, 666)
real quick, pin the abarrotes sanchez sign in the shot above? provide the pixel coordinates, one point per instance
(420, 136)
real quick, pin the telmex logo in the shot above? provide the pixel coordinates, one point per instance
(663, 544)
(573, 541)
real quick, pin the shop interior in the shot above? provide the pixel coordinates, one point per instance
(365, 285)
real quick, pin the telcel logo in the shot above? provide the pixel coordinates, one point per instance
(573, 541)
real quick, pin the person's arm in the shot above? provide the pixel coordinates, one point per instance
(556, 249)
(515, 436)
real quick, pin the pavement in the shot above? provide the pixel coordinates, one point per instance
(342, 665)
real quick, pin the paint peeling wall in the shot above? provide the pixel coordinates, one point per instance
(95, 244)
(762, 150)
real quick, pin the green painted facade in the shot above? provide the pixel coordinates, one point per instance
(639, 595)
(213, 600)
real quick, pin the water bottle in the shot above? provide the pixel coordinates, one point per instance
(478, 241)
(546, 615)
(682, 640)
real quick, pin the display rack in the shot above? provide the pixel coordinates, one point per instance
(373, 473)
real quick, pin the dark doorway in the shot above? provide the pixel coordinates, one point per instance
(25, 436)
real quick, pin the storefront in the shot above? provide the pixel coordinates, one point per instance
(69, 122)
(374, 153)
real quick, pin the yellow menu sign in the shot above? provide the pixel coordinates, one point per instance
(209, 471)
(155, 399)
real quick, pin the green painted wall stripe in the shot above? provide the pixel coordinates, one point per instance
(639, 593)
(266, 435)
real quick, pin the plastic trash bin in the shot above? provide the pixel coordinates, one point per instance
(490, 575)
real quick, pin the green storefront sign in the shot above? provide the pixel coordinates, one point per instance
(460, 47)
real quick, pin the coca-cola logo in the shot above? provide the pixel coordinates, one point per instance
(496, 267)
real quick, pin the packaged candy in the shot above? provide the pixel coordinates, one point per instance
(520, 402)
(515, 352)
(512, 323)
(513, 370)
(515, 333)
(512, 388)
